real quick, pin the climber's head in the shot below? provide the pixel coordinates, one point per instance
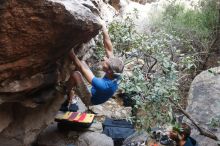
(113, 66)
(180, 134)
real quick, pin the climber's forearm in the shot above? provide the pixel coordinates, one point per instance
(107, 42)
(83, 68)
(87, 72)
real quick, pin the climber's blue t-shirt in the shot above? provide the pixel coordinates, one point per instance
(102, 89)
(188, 142)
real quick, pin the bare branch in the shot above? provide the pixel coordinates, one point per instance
(152, 65)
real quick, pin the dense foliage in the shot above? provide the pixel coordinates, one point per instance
(198, 26)
(158, 61)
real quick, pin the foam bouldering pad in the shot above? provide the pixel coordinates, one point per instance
(74, 120)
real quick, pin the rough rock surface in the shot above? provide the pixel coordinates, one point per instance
(94, 139)
(107, 12)
(116, 4)
(35, 38)
(34, 35)
(63, 138)
(111, 109)
(51, 136)
(204, 103)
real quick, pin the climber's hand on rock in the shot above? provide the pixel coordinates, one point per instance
(75, 59)
(102, 22)
(72, 55)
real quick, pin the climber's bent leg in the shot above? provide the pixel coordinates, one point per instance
(77, 83)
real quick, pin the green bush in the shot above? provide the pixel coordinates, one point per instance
(201, 21)
(156, 79)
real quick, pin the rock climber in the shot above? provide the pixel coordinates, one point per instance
(101, 88)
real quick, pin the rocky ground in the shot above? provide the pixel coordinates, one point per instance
(93, 135)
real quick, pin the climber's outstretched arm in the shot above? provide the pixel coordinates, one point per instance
(84, 69)
(107, 41)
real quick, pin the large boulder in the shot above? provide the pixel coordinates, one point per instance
(204, 104)
(36, 34)
(85, 137)
(35, 38)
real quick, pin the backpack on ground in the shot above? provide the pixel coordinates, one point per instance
(118, 130)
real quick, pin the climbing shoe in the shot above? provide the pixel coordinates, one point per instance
(73, 107)
(64, 106)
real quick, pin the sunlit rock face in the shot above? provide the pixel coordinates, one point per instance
(35, 38)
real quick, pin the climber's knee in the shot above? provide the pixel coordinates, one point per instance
(76, 76)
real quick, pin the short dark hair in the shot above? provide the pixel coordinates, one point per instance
(185, 130)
